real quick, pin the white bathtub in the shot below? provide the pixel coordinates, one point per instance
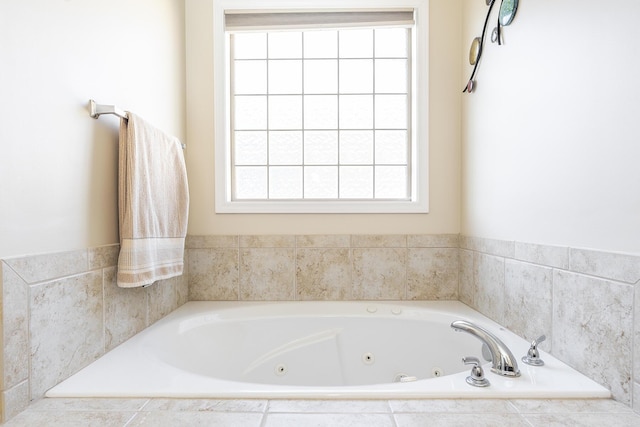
(316, 350)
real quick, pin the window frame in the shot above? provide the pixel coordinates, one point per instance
(419, 129)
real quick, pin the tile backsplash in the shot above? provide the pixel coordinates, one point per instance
(323, 267)
(61, 311)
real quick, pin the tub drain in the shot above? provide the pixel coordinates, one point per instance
(280, 369)
(436, 372)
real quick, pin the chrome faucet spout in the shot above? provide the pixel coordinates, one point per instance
(503, 362)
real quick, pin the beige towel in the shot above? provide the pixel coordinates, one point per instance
(153, 204)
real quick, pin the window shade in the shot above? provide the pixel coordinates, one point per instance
(255, 21)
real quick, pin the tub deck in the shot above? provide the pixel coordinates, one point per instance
(134, 369)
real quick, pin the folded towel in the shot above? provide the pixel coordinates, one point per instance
(153, 204)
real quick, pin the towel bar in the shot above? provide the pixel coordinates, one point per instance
(96, 110)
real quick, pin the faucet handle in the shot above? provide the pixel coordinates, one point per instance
(470, 360)
(476, 378)
(533, 355)
(538, 340)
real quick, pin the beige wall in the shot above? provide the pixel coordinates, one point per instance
(550, 144)
(58, 166)
(549, 152)
(444, 118)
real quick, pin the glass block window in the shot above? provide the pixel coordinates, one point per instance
(320, 107)
(321, 114)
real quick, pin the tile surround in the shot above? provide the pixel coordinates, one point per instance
(488, 283)
(584, 300)
(267, 274)
(65, 328)
(432, 273)
(323, 267)
(592, 329)
(379, 273)
(213, 274)
(323, 274)
(15, 324)
(620, 267)
(120, 303)
(528, 293)
(61, 311)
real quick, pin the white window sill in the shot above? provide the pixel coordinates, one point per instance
(370, 207)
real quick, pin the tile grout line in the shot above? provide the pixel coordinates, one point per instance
(263, 421)
(392, 414)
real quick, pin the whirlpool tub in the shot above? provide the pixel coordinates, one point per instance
(317, 350)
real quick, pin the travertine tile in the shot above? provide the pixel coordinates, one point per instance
(15, 327)
(583, 420)
(466, 285)
(300, 413)
(71, 419)
(267, 274)
(196, 419)
(432, 274)
(468, 242)
(213, 274)
(15, 400)
(495, 247)
(460, 420)
(182, 283)
(619, 267)
(329, 406)
(211, 242)
(66, 328)
(378, 241)
(125, 310)
(488, 277)
(528, 308)
(211, 405)
(103, 256)
(551, 406)
(432, 241)
(317, 420)
(163, 299)
(323, 274)
(379, 274)
(323, 241)
(88, 404)
(458, 406)
(592, 329)
(38, 268)
(268, 241)
(549, 256)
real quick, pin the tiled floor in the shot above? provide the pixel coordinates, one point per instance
(339, 413)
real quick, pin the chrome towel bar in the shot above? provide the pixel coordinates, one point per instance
(96, 110)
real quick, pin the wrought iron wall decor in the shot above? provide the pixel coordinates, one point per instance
(505, 17)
